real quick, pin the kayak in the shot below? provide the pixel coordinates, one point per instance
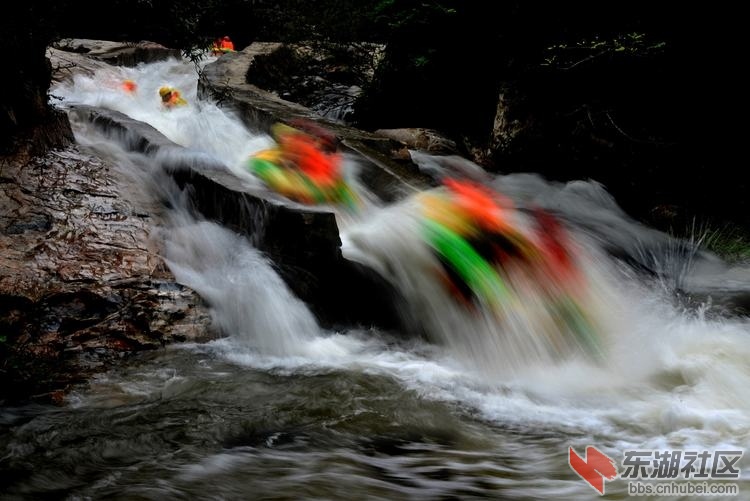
(472, 269)
(287, 179)
(488, 260)
(171, 97)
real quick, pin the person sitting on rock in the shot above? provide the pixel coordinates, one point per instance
(222, 46)
(226, 45)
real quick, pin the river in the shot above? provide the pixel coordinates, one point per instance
(282, 408)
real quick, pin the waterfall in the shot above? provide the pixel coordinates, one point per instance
(667, 372)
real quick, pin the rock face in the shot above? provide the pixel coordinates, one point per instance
(80, 282)
(326, 77)
(422, 139)
(118, 53)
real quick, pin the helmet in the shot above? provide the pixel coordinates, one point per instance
(164, 91)
(129, 85)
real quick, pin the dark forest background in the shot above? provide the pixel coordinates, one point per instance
(644, 97)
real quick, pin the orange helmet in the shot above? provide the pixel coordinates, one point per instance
(129, 86)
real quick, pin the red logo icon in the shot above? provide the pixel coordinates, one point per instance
(594, 469)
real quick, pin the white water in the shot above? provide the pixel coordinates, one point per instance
(201, 126)
(390, 242)
(671, 377)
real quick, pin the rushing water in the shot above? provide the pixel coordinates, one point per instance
(283, 409)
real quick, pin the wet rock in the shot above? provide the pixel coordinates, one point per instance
(65, 64)
(118, 53)
(326, 77)
(86, 57)
(427, 140)
(80, 284)
(34, 222)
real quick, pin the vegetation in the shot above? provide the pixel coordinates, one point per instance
(729, 241)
